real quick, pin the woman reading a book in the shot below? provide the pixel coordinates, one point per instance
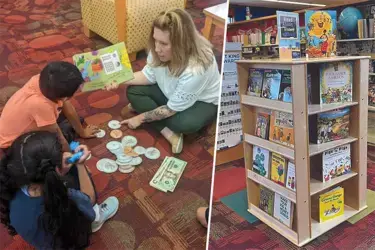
(178, 89)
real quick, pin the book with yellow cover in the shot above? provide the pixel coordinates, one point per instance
(331, 204)
(281, 128)
(278, 169)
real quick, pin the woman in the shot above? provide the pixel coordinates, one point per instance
(178, 90)
(37, 205)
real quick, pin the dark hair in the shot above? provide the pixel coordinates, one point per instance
(59, 80)
(33, 158)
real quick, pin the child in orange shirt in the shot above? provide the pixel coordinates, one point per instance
(38, 104)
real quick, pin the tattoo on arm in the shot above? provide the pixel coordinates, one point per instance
(157, 114)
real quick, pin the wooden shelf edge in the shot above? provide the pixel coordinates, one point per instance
(303, 60)
(291, 195)
(371, 108)
(321, 108)
(320, 148)
(274, 224)
(229, 154)
(355, 40)
(318, 186)
(267, 103)
(271, 146)
(318, 228)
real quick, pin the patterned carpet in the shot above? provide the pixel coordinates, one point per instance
(230, 231)
(34, 32)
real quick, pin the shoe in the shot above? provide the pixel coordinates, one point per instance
(177, 143)
(106, 211)
(201, 216)
(126, 110)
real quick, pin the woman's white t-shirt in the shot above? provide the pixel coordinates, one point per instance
(194, 84)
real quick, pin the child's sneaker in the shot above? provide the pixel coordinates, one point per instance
(106, 211)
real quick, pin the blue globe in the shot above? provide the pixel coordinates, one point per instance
(348, 21)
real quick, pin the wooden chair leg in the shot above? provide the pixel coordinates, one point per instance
(133, 56)
(89, 33)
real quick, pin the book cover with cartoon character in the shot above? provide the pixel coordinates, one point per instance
(331, 204)
(281, 128)
(285, 94)
(321, 31)
(278, 169)
(271, 84)
(336, 80)
(261, 161)
(104, 66)
(262, 125)
(255, 82)
(291, 176)
(336, 162)
(266, 200)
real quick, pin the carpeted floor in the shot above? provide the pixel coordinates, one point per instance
(230, 231)
(34, 32)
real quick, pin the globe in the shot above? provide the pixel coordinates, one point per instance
(348, 21)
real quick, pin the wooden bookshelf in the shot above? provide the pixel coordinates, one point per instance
(355, 40)
(304, 228)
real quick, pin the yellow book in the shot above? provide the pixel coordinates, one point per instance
(278, 169)
(331, 204)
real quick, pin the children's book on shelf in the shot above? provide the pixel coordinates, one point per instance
(309, 94)
(321, 31)
(291, 176)
(261, 161)
(285, 94)
(371, 94)
(266, 201)
(271, 84)
(104, 66)
(336, 80)
(255, 82)
(278, 169)
(329, 126)
(336, 162)
(281, 128)
(262, 125)
(331, 204)
(283, 210)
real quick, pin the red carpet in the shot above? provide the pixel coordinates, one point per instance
(229, 179)
(35, 32)
(230, 231)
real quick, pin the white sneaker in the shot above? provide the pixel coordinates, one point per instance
(106, 211)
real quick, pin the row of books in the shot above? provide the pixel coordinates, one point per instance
(366, 28)
(325, 207)
(278, 126)
(335, 162)
(336, 80)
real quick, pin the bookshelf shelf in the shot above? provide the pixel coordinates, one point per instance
(290, 194)
(260, 45)
(318, 228)
(371, 74)
(304, 228)
(274, 223)
(269, 145)
(355, 40)
(318, 186)
(320, 148)
(371, 108)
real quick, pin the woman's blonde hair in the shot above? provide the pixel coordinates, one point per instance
(188, 45)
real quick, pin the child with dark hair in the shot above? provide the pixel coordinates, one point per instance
(37, 106)
(36, 204)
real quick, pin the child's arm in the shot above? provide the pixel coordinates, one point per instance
(54, 128)
(139, 79)
(73, 118)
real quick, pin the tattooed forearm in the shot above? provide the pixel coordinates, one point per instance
(157, 114)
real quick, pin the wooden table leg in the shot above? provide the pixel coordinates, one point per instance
(209, 28)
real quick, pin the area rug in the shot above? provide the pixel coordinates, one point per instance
(35, 32)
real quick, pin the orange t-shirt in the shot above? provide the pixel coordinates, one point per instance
(27, 110)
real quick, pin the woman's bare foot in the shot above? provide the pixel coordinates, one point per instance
(126, 110)
(176, 140)
(201, 216)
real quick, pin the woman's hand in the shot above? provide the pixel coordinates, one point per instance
(86, 153)
(133, 122)
(111, 86)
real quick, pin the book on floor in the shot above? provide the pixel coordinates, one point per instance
(283, 210)
(261, 161)
(266, 201)
(104, 66)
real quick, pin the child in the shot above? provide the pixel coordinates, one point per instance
(37, 205)
(37, 106)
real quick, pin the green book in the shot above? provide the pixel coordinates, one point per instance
(104, 66)
(266, 200)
